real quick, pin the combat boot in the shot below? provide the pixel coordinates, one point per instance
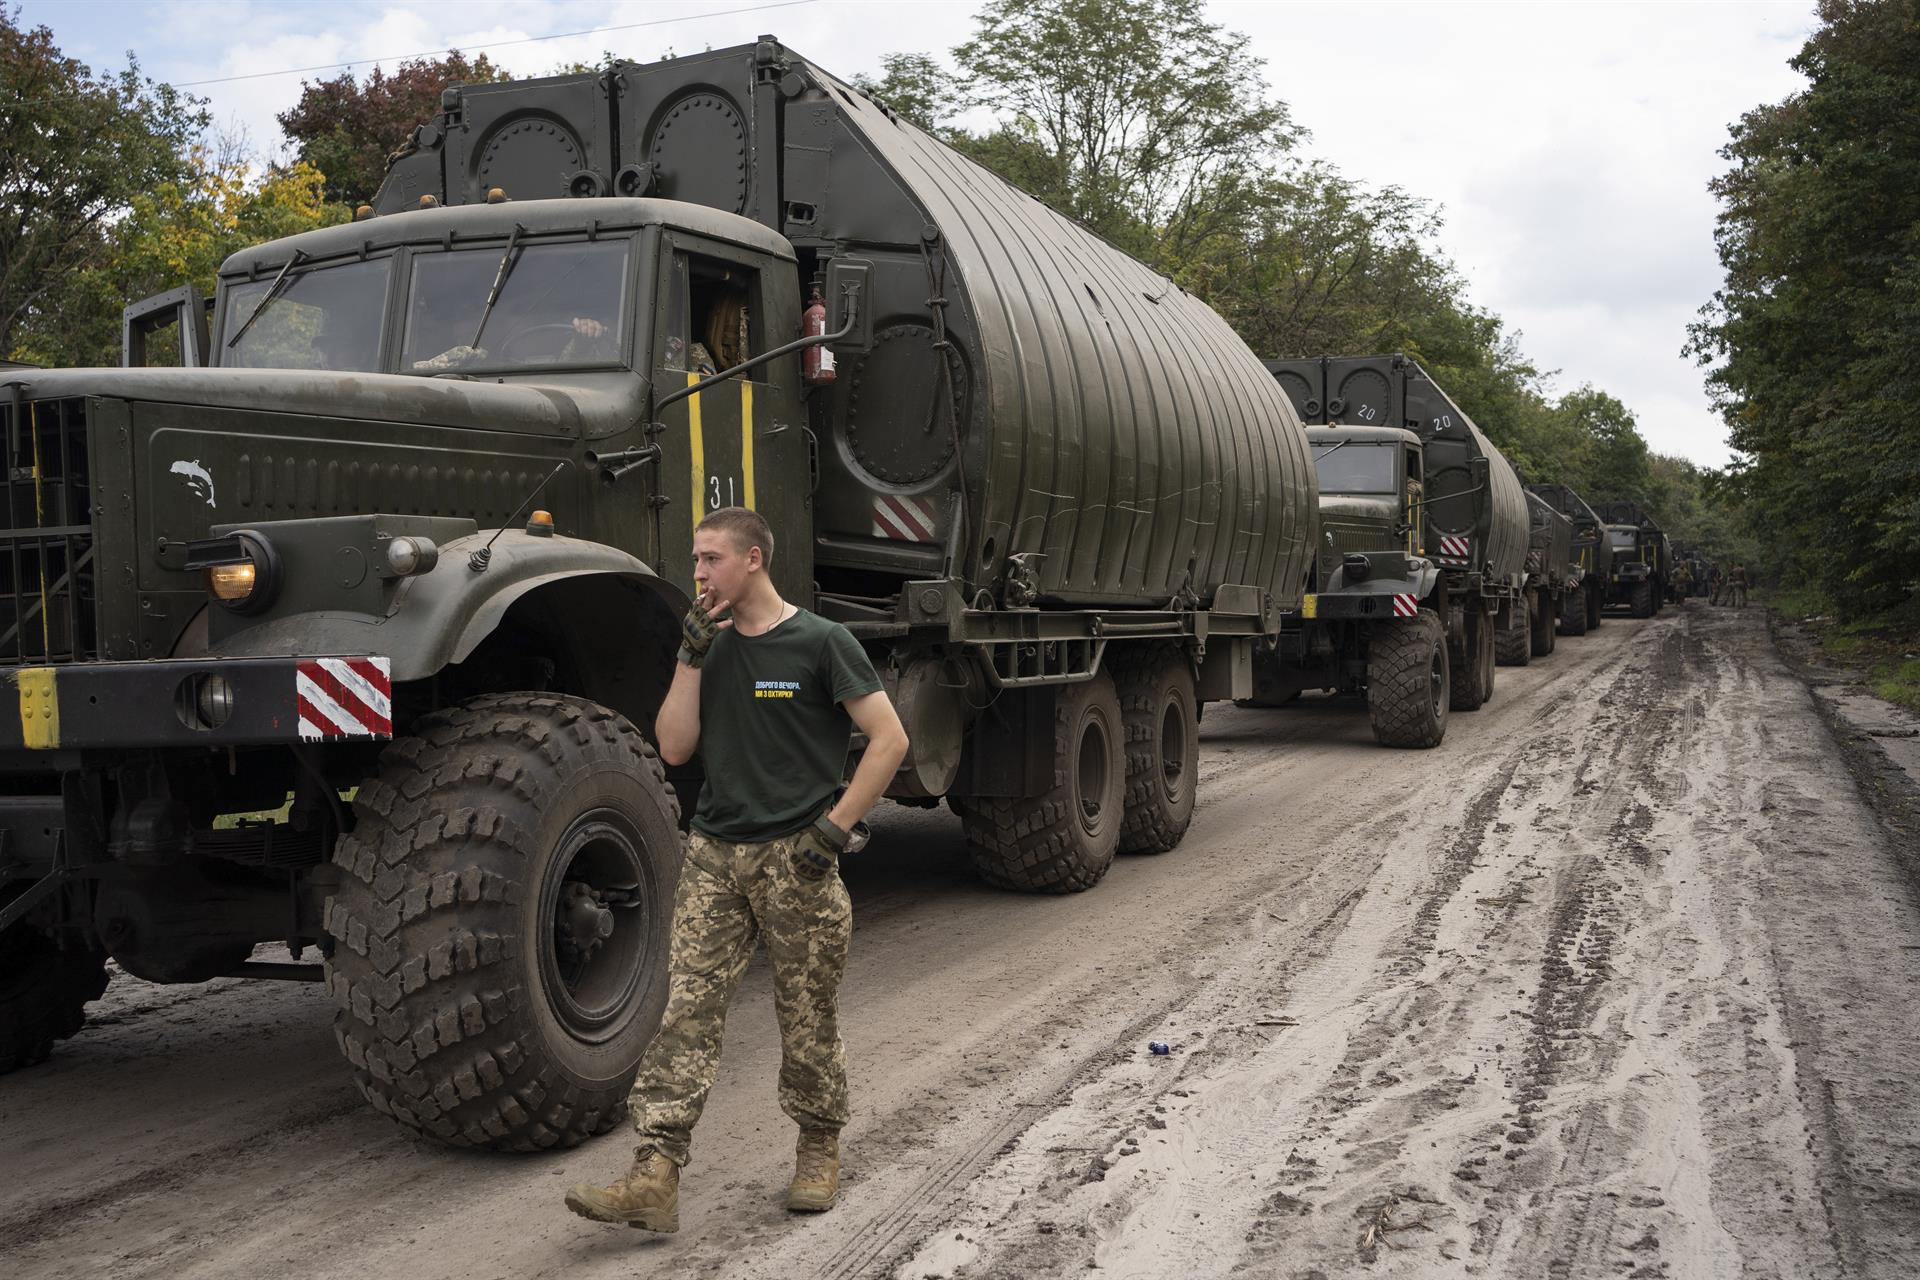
(816, 1171)
(648, 1197)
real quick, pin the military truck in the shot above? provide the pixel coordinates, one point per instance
(1553, 579)
(1420, 568)
(1642, 559)
(1592, 554)
(353, 638)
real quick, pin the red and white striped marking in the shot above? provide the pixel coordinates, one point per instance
(1454, 547)
(1406, 604)
(345, 698)
(904, 519)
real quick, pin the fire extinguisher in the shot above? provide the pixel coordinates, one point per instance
(816, 363)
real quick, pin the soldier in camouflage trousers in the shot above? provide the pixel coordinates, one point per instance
(729, 894)
(769, 696)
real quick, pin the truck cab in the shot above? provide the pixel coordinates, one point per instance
(1371, 488)
(1638, 580)
(560, 320)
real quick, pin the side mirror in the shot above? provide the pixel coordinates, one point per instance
(850, 288)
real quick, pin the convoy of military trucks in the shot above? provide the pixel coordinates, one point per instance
(349, 635)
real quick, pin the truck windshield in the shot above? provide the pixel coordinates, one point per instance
(324, 318)
(1354, 467)
(560, 305)
(1623, 539)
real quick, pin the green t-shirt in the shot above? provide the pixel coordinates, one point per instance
(773, 735)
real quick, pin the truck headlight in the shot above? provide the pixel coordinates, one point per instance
(242, 569)
(232, 582)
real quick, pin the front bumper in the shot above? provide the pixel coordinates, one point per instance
(1361, 606)
(180, 702)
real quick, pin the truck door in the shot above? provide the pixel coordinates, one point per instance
(741, 442)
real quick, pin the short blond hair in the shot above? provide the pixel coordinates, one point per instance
(747, 528)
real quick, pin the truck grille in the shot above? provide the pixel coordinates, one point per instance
(47, 601)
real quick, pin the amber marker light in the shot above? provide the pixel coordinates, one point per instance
(540, 524)
(232, 582)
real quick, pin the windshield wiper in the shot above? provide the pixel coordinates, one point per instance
(266, 299)
(508, 261)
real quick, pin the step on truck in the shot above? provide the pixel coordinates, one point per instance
(352, 638)
(1419, 574)
(1642, 559)
(1592, 555)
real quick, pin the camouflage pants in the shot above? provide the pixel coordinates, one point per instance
(730, 895)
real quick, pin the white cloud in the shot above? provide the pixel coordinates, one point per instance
(1570, 144)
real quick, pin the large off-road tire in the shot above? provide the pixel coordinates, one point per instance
(1470, 674)
(480, 1003)
(1596, 603)
(1641, 605)
(1511, 647)
(1408, 693)
(1063, 840)
(1159, 712)
(44, 992)
(1573, 611)
(1542, 627)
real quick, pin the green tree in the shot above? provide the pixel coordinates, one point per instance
(1156, 121)
(179, 233)
(1810, 341)
(916, 88)
(346, 128)
(76, 150)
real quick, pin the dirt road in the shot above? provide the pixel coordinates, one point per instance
(1620, 981)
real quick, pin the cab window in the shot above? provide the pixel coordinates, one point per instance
(559, 306)
(712, 320)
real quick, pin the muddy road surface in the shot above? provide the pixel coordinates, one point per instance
(1621, 981)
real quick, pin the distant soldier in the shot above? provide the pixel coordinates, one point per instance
(770, 698)
(1737, 580)
(1682, 583)
(1714, 577)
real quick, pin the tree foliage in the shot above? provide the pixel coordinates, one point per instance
(180, 233)
(1154, 121)
(1812, 339)
(347, 128)
(76, 150)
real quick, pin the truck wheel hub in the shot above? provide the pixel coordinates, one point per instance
(585, 922)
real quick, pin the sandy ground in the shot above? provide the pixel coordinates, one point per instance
(1619, 982)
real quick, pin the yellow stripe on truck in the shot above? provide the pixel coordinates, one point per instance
(746, 443)
(39, 708)
(697, 437)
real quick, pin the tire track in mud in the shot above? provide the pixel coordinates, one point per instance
(1611, 744)
(1290, 1129)
(1530, 794)
(49, 1218)
(1561, 1140)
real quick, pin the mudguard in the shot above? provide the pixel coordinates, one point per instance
(438, 618)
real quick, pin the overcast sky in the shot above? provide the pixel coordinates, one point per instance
(1569, 144)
